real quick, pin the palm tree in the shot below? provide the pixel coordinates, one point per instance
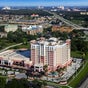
(45, 68)
(6, 71)
(27, 74)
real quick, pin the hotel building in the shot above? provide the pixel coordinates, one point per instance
(62, 28)
(8, 27)
(14, 58)
(52, 52)
(32, 29)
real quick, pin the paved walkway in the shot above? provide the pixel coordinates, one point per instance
(10, 47)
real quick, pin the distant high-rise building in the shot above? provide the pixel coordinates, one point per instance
(40, 7)
(61, 7)
(6, 8)
(52, 52)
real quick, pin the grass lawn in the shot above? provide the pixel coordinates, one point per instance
(3, 77)
(82, 73)
(3, 81)
(9, 44)
(77, 21)
(5, 44)
(26, 46)
(78, 54)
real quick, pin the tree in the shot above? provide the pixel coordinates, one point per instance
(2, 44)
(45, 67)
(78, 42)
(27, 74)
(24, 83)
(15, 83)
(16, 36)
(37, 84)
(25, 41)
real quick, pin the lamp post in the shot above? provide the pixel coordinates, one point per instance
(83, 59)
(75, 71)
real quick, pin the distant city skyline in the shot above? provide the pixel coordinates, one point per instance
(43, 2)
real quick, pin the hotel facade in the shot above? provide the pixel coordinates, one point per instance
(52, 52)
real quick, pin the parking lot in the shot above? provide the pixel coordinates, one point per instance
(70, 70)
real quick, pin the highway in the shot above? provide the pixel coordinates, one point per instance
(84, 84)
(69, 23)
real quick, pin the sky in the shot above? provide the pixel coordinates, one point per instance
(43, 2)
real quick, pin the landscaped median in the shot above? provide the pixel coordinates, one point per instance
(56, 85)
(80, 76)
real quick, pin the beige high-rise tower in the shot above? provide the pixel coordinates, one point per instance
(52, 52)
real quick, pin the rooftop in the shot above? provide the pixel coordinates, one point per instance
(32, 27)
(51, 41)
(15, 55)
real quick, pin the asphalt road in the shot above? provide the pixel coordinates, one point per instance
(84, 84)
